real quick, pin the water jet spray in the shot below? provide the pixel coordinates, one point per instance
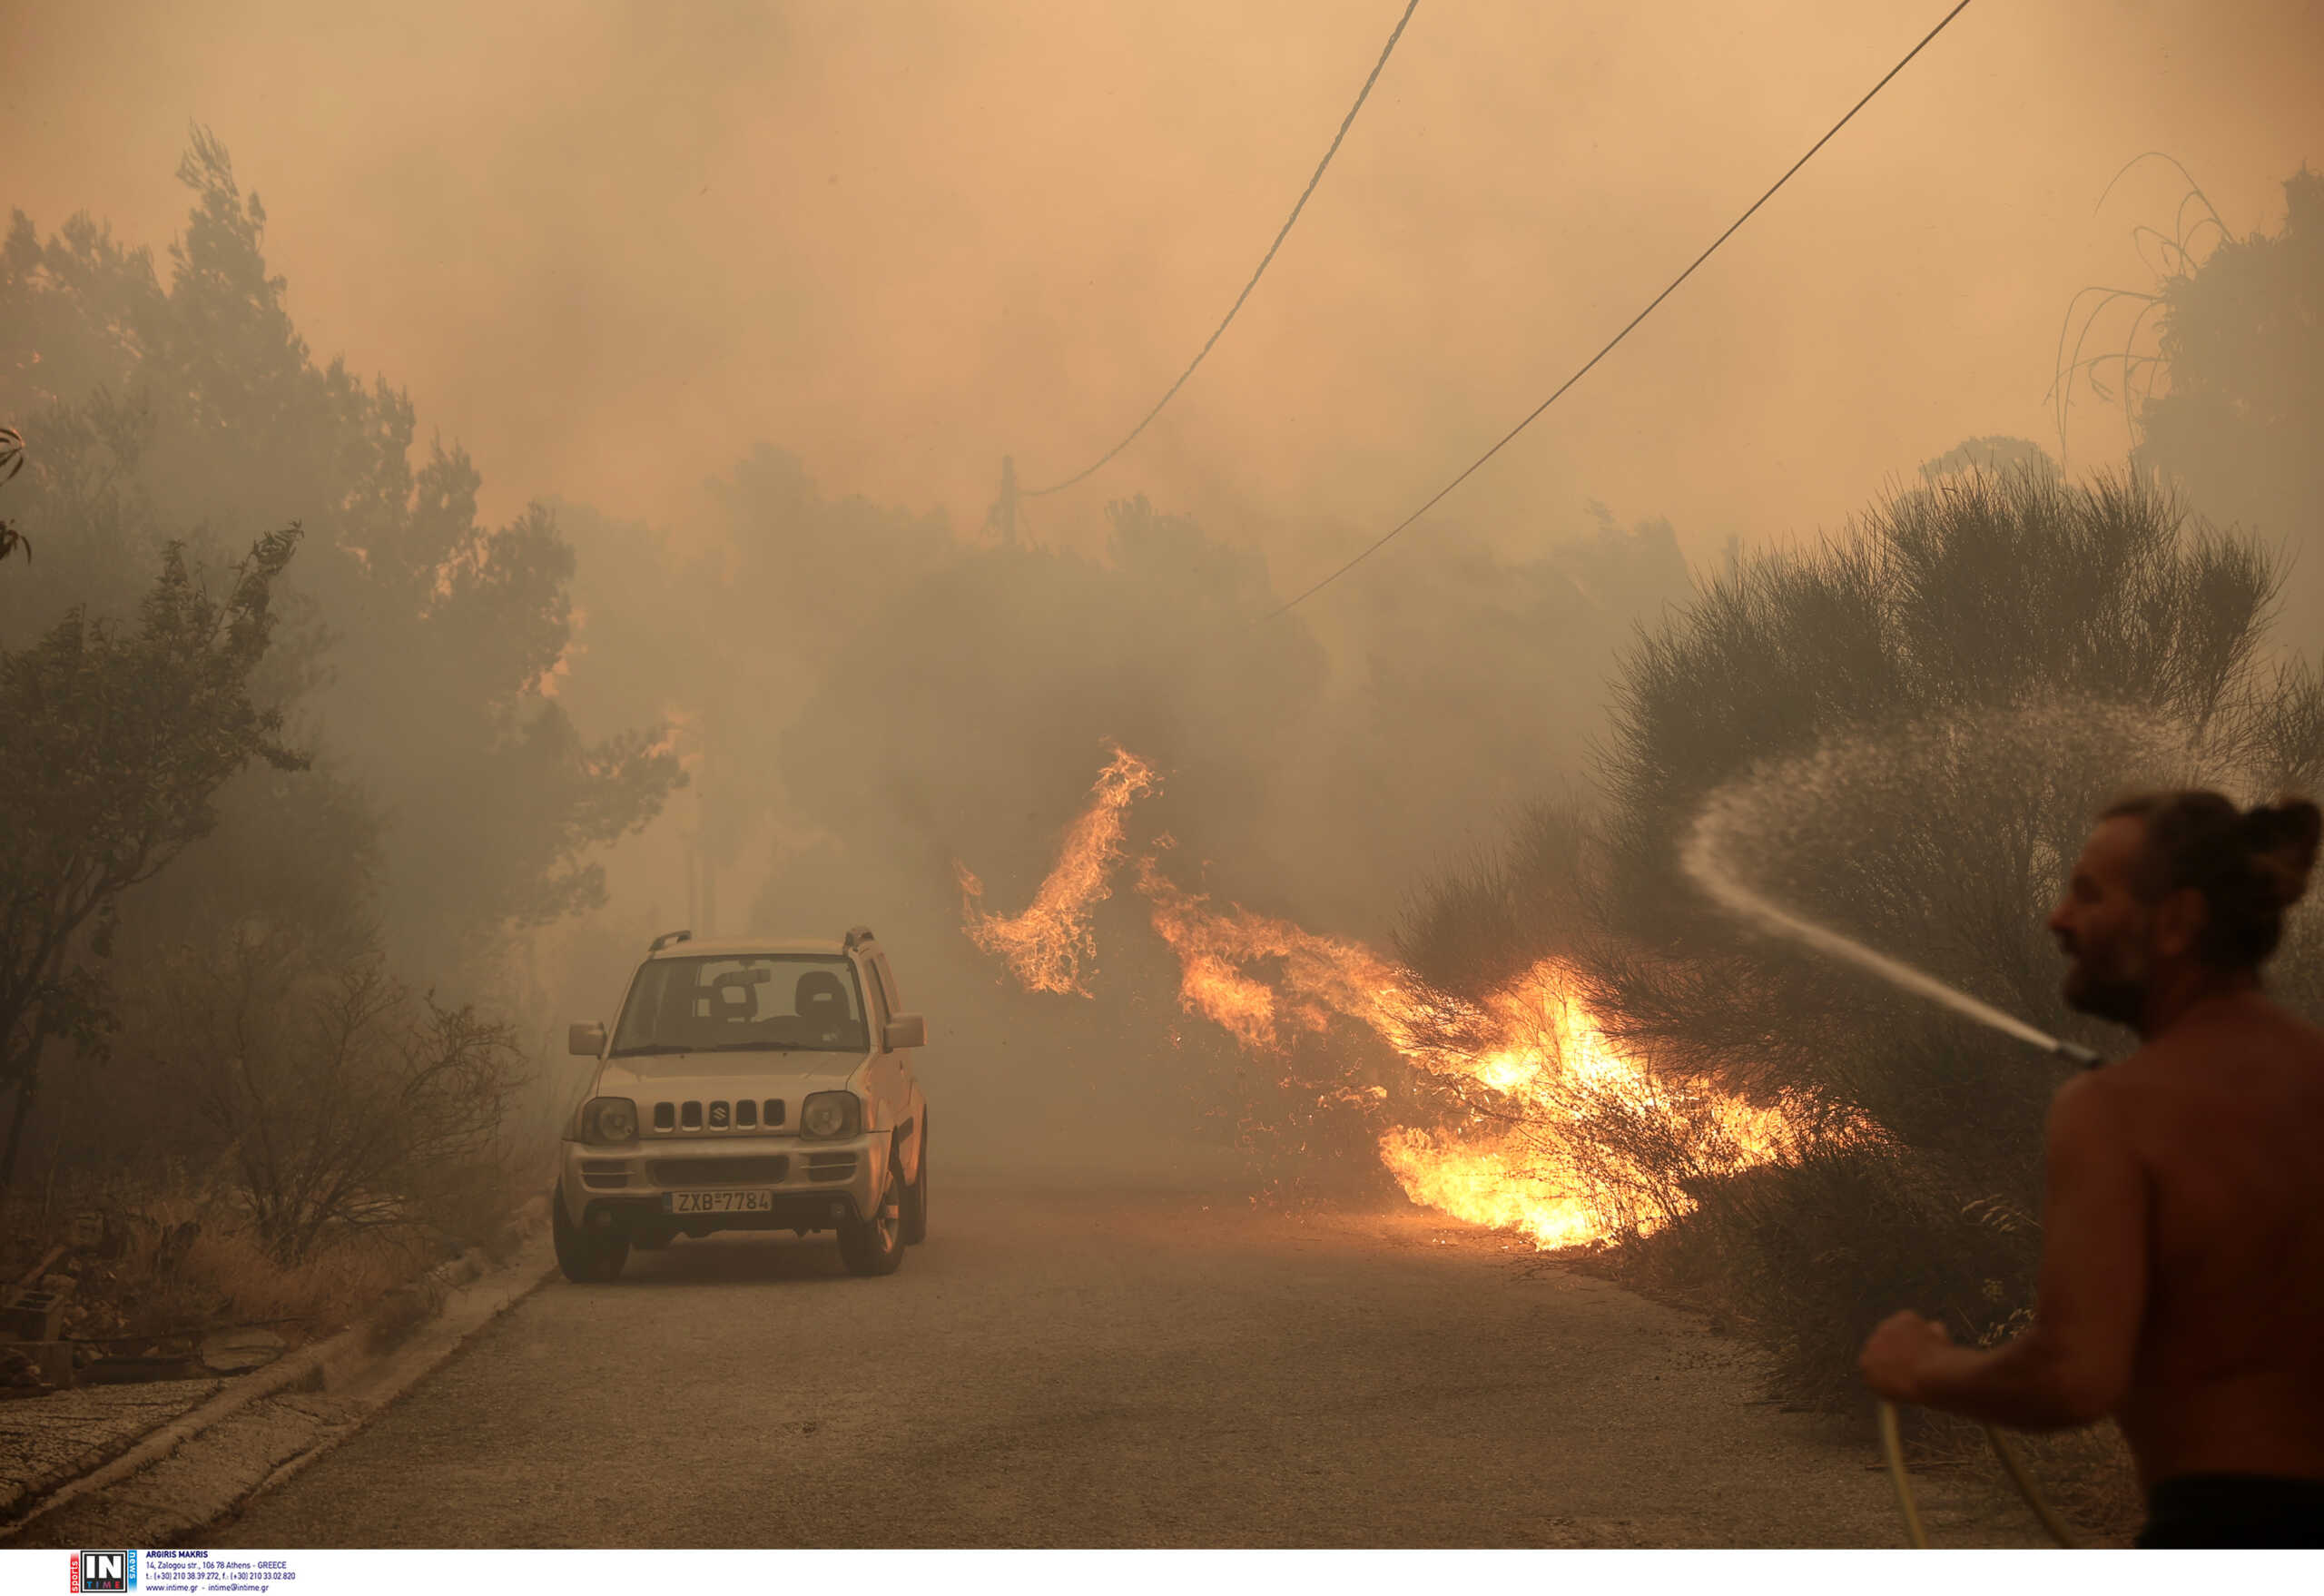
(1700, 860)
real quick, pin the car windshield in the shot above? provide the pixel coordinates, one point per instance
(779, 1002)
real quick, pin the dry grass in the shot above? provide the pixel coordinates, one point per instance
(180, 1264)
(333, 1286)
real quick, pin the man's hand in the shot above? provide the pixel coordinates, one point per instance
(2073, 1364)
(1896, 1355)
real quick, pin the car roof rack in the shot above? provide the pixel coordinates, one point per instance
(669, 938)
(856, 935)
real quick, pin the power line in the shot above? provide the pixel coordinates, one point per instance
(1382, 540)
(1345, 122)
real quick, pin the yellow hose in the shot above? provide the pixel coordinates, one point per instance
(2015, 1466)
(1891, 1444)
(1894, 1445)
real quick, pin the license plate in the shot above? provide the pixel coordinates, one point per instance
(720, 1202)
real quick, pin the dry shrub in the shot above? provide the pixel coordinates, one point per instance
(231, 1265)
(344, 1101)
(183, 1262)
(328, 1288)
(1307, 1120)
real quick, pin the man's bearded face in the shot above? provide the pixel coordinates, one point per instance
(2103, 927)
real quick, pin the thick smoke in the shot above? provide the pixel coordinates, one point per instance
(611, 247)
(754, 302)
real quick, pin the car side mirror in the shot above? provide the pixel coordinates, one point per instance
(906, 1031)
(585, 1040)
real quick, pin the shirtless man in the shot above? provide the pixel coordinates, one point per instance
(2182, 1267)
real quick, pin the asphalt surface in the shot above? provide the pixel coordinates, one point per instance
(1076, 1366)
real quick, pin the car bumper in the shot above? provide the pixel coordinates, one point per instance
(807, 1185)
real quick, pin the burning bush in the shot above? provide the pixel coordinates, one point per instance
(1491, 1093)
(1913, 728)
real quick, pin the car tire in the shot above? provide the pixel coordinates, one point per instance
(876, 1245)
(916, 1195)
(585, 1259)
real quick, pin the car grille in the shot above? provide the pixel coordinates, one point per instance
(830, 1166)
(604, 1172)
(745, 1115)
(761, 1171)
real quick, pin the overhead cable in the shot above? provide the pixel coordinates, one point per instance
(1345, 122)
(1507, 438)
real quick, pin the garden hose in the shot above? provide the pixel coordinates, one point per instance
(1891, 1444)
(1894, 1445)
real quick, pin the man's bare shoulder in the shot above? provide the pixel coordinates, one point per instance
(2133, 1089)
(2254, 1038)
(2088, 1108)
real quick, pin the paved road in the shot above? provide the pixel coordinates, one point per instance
(1081, 1368)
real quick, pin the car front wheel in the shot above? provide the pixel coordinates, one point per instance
(586, 1259)
(875, 1246)
(916, 1197)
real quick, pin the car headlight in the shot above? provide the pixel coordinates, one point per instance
(828, 1115)
(608, 1120)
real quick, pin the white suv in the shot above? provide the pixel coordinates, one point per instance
(748, 1086)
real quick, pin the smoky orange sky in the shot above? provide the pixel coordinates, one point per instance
(611, 246)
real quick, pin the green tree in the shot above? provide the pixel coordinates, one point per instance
(735, 637)
(11, 460)
(1002, 673)
(114, 745)
(422, 642)
(2239, 407)
(2220, 372)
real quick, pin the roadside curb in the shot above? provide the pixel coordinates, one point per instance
(297, 1409)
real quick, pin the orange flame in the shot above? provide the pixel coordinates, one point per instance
(1045, 946)
(1321, 976)
(1569, 1139)
(1560, 1136)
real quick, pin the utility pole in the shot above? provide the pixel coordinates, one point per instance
(708, 849)
(1002, 516)
(694, 882)
(709, 920)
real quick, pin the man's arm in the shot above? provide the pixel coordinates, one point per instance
(2074, 1365)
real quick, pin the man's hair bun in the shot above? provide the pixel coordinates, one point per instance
(2282, 838)
(2249, 865)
